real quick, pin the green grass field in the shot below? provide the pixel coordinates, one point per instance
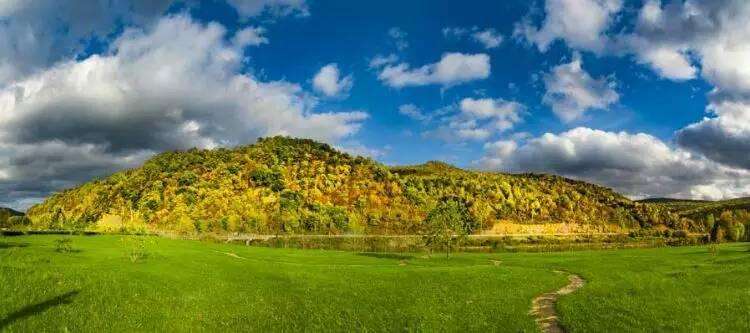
(191, 285)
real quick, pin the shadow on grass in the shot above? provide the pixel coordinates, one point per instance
(396, 256)
(38, 308)
(8, 245)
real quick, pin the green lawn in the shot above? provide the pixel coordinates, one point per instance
(189, 285)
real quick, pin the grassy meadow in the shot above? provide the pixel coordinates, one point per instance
(128, 283)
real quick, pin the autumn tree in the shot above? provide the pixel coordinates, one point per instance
(448, 224)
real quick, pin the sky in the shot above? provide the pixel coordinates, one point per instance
(651, 98)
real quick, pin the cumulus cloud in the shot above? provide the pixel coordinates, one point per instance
(571, 91)
(489, 38)
(724, 138)
(37, 34)
(173, 86)
(329, 82)
(670, 37)
(452, 69)
(478, 120)
(617, 160)
(582, 24)
(678, 39)
(251, 8)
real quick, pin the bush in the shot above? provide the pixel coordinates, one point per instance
(135, 248)
(64, 245)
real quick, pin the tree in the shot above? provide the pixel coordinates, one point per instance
(449, 224)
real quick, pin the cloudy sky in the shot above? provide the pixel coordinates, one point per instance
(649, 97)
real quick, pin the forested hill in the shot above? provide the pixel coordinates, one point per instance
(288, 185)
(7, 216)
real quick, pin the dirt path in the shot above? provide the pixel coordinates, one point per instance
(231, 254)
(543, 306)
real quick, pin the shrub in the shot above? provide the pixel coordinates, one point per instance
(713, 249)
(135, 248)
(64, 245)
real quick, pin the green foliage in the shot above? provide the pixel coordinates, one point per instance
(135, 248)
(64, 245)
(268, 178)
(449, 224)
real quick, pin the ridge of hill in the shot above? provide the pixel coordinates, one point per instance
(288, 185)
(697, 208)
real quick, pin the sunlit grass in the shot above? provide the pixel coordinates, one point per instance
(188, 285)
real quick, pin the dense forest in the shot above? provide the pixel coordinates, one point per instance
(299, 186)
(722, 220)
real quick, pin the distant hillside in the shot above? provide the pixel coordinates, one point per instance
(698, 208)
(286, 185)
(722, 219)
(6, 214)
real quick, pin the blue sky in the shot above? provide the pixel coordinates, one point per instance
(350, 36)
(649, 97)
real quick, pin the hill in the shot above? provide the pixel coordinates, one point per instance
(6, 214)
(723, 219)
(287, 185)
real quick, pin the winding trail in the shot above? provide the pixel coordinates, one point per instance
(231, 254)
(543, 306)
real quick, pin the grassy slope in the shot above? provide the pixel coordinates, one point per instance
(186, 284)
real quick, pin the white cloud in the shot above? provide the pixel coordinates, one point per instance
(670, 37)
(714, 35)
(37, 34)
(251, 8)
(582, 24)
(571, 91)
(412, 111)
(329, 82)
(617, 160)
(452, 69)
(668, 63)
(358, 149)
(503, 115)
(381, 60)
(173, 86)
(250, 36)
(478, 119)
(489, 38)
